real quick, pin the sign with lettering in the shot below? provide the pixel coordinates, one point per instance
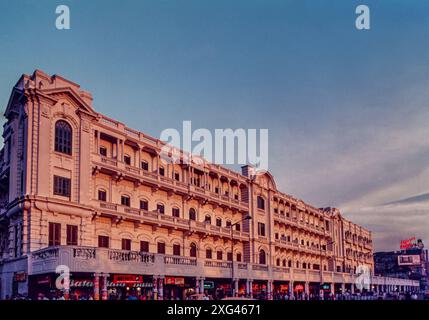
(127, 278)
(178, 281)
(408, 243)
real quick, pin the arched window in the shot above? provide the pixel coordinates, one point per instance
(192, 214)
(208, 253)
(193, 250)
(262, 257)
(63, 137)
(208, 219)
(284, 263)
(218, 222)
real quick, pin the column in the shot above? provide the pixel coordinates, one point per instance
(290, 289)
(343, 288)
(155, 288)
(332, 288)
(104, 286)
(96, 286)
(235, 293)
(251, 288)
(66, 289)
(352, 288)
(161, 288)
(197, 285)
(247, 288)
(201, 285)
(306, 289)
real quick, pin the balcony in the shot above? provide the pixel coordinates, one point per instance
(164, 220)
(113, 166)
(90, 260)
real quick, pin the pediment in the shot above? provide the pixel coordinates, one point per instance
(72, 96)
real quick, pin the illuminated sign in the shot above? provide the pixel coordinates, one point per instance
(408, 260)
(127, 278)
(20, 276)
(174, 281)
(408, 243)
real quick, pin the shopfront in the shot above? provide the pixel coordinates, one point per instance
(131, 287)
(259, 289)
(280, 290)
(178, 288)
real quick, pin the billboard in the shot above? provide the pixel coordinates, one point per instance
(411, 243)
(408, 260)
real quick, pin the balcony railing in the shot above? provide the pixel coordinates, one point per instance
(90, 259)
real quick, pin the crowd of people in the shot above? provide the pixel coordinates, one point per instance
(350, 296)
(277, 296)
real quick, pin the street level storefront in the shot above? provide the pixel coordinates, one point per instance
(90, 286)
(178, 288)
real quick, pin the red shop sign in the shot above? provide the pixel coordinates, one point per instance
(127, 278)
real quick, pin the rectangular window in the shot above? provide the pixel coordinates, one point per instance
(177, 176)
(127, 160)
(145, 166)
(103, 242)
(238, 227)
(72, 232)
(102, 196)
(54, 234)
(103, 151)
(219, 255)
(16, 247)
(144, 205)
(125, 201)
(176, 212)
(144, 246)
(261, 203)
(261, 229)
(61, 186)
(229, 256)
(176, 249)
(161, 171)
(238, 257)
(161, 247)
(126, 244)
(208, 254)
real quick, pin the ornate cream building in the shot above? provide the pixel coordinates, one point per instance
(81, 190)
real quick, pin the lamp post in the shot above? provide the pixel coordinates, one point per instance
(247, 217)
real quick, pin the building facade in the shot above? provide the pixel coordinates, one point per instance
(410, 263)
(83, 193)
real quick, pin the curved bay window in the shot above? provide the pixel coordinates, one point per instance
(262, 257)
(63, 137)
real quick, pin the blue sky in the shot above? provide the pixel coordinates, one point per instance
(346, 109)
